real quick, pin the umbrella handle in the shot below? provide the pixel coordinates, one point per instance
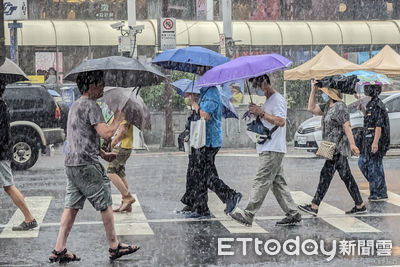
(248, 90)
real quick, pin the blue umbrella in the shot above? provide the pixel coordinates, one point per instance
(188, 59)
(187, 86)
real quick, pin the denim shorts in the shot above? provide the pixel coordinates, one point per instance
(6, 177)
(87, 182)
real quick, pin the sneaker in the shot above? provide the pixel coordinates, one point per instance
(237, 216)
(290, 220)
(24, 226)
(356, 210)
(197, 215)
(376, 199)
(232, 203)
(308, 209)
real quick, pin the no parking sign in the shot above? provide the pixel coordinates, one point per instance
(167, 33)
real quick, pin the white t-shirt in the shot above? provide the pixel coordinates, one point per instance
(275, 105)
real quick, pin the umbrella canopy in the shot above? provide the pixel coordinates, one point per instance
(244, 68)
(185, 86)
(189, 59)
(120, 71)
(326, 63)
(126, 99)
(11, 73)
(369, 77)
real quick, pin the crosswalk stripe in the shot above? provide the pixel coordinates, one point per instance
(392, 197)
(38, 206)
(126, 223)
(347, 224)
(217, 209)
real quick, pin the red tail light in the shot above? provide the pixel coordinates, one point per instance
(57, 113)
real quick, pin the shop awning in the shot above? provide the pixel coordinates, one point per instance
(206, 33)
(327, 62)
(387, 62)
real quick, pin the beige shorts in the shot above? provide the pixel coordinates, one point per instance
(117, 166)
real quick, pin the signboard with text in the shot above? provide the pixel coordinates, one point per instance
(15, 10)
(201, 9)
(167, 33)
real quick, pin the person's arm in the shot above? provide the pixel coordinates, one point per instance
(204, 114)
(312, 106)
(107, 156)
(275, 120)
(105, 131)
(378, 133)
(121, 133)
(349, 134)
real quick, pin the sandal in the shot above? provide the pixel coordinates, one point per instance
(117, 253)
(62, 256)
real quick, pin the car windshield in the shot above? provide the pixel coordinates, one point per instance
(353, 106)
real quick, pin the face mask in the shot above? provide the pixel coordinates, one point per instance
(186, 101)
(259, 92)
(325, 97)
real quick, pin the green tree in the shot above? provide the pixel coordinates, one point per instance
(153, 96)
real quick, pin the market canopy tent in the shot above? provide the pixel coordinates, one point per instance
(326, 63)
(387, 62)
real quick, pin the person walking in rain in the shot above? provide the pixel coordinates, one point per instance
(375, 143)
(271, 153)
(122, 145)
(205, 175)
(6, 176)
(86, 176)
(336, 128)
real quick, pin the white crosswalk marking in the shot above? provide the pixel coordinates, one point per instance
(38, 207)
(217, 209)
(392, 197)
(347, 224)
(131, 223)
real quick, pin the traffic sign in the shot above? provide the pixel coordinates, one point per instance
(222, 49)
(167, 33)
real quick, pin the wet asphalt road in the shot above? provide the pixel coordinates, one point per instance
(158, 180)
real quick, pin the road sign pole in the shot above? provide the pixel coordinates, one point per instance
(14, 40)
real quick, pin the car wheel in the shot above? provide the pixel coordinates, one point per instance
(24, 152)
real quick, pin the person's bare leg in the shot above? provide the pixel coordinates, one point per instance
(119, 184)
(67, 220)
(107, 216)
(125, 181)
(19, 201)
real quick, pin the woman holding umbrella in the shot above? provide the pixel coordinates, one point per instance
(337, 129)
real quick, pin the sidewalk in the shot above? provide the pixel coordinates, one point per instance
(291, 151)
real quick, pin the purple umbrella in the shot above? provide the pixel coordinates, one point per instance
(244, 68)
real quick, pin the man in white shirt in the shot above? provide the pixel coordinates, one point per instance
(271, 153)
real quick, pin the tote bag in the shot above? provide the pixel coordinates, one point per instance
(198, 133)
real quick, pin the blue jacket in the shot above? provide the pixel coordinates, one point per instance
(212, 104)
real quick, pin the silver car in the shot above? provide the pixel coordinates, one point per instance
(309, 134)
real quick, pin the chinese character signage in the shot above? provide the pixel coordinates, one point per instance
(167, 33)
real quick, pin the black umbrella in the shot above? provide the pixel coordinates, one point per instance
(345, 84)
(11, 73)
(120, 71)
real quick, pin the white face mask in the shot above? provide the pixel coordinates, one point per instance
(260, 92)
(325, 97)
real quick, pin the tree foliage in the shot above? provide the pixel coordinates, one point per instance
(153, 96)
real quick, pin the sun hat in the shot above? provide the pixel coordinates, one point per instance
(332, 93)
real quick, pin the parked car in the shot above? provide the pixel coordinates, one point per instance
(309, 134)
(35, 122)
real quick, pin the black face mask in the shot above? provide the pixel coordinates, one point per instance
(372, 90)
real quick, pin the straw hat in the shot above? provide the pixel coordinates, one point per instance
(332, 93)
